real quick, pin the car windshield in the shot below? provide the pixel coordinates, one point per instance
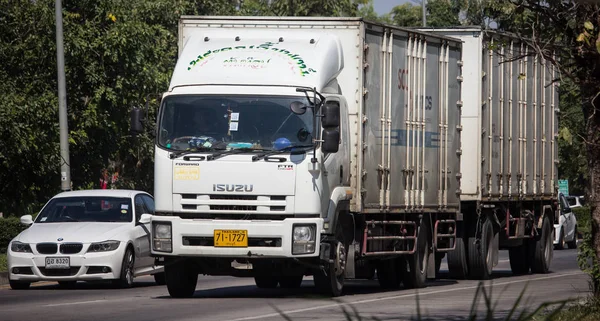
(233, 121)
(87, 209)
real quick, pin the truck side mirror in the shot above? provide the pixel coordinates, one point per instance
(137, 120)
(331, 114)
(331, 140)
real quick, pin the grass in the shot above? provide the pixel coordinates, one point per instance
(3, 263)
(588, 310)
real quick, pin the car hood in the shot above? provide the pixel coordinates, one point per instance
(85, 232)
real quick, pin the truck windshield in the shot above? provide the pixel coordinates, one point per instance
(212, 122)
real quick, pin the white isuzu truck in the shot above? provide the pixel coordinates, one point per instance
(331, 147)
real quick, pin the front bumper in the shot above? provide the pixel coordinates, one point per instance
(204, 229)
(84, 266)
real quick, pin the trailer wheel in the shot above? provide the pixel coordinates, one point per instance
(181, 279)
(519, 263)
(388, 274)
(457, 260)
(542, 249)
(480, 253)
(414, 267)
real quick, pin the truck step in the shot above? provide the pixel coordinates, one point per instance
(446, 226)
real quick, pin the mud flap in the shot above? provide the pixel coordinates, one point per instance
(431, 266)
(349, 272)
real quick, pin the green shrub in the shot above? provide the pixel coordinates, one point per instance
(9, 228)
(3, 263)
(583, 219)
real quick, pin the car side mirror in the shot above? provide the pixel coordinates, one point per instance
(331, 140)
(331, 114)
(137, 120)
(145, 218)
(26, 219)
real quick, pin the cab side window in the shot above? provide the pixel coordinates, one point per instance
(140, 207)
(149, 203)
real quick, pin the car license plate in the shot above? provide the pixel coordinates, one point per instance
(231, 238)
(58, 263)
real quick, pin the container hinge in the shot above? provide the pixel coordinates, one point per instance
(365, 91)
(459, 128)
(459, 152)
(459, 103)
(460, 63)
(459, 78)
(366, 65)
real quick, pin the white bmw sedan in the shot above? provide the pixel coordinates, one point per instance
(87, 235)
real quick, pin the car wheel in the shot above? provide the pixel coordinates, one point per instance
(126, 277)
(573, 243)
(18, 285)
(561, 240)
(160, 278)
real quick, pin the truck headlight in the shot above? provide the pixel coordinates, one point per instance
(162, 236)
(304, 239)
(17, 246)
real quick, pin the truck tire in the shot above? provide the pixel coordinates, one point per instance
(561, 240)
(541, 249)
(480, 253)
(181, 279)
(159, 278)
(414, 269)
(291, 281)
(331, 281)
(265, 282)
(387, 274)
(573, 243)
(519, 262)
(457, 260)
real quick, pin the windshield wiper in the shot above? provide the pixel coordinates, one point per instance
(179, 153)
(281, 151)
(233, 151)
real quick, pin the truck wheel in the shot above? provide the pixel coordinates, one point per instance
(518, 259)
(541, 249)
(291, 282)
(387, 274)
(573, 244)
(181, 279)
(160, 279)
(480, 253)
(265, 282)
(457, 260)
(561, 240)
(331, 281)
(415, 265)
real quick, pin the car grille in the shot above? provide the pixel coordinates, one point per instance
(70, 248)
(59, 272)
(46, 248)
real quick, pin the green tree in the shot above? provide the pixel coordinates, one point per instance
(367, 11)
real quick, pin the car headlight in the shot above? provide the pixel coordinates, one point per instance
(304, 239)
(104, 246)
(17, 246)
(162, 236)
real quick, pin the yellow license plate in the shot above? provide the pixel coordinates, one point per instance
(231, 238)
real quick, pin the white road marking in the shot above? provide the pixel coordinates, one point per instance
(73, 303)
(400, 296)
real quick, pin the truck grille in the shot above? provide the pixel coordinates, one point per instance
(70, 248)
(47, 248)
(232, 204)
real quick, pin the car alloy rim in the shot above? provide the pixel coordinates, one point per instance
(129, 268)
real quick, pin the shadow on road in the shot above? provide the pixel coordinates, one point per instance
(95, 285)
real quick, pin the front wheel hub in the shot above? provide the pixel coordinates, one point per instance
(340, 259)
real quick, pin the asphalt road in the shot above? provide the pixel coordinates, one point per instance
(237, 299)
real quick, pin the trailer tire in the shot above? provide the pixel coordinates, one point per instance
(266, 282)
(458, 265)
(541, 249)
(181, 279)
(414, 267)
(388, 274)
(519, 262)
(480, 254)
